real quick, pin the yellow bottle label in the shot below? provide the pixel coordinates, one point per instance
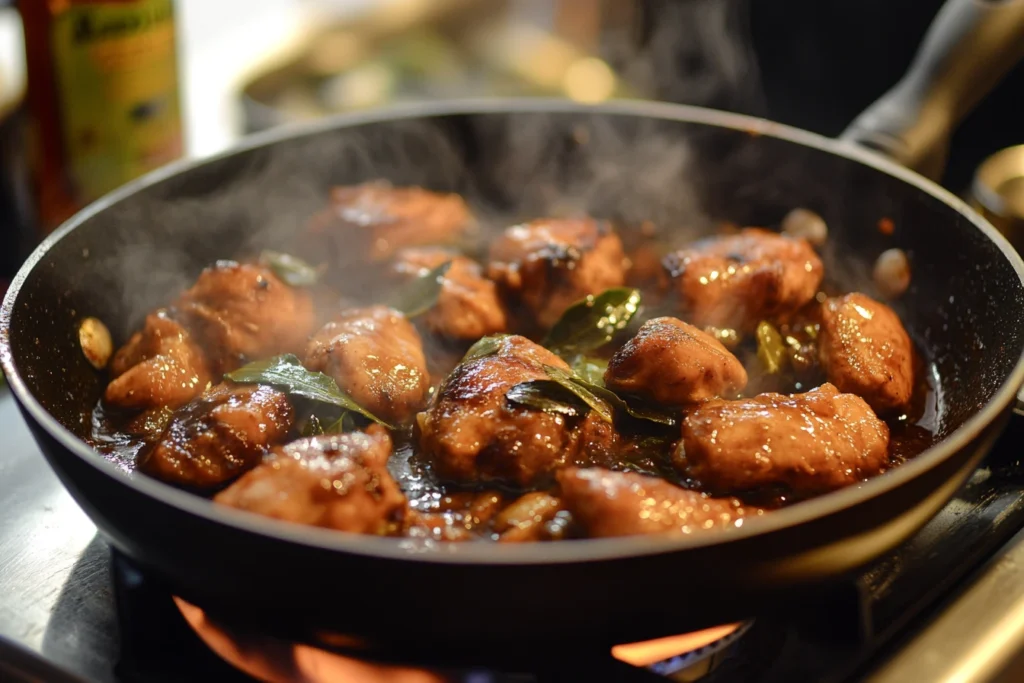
(117, 80)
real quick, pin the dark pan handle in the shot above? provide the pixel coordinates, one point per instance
(969, 47)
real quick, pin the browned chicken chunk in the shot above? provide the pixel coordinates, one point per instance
(468, 306)
(375, 355)
(159, 367)
(865, 351)
(337, 481)
(220, 435)
(807, 443)
(549, 264)
(671, 362)
(374, 220)
(517, 346)
(472, 433)
(735, 281)
(243, 312)
(605, 503)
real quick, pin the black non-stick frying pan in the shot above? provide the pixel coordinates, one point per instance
(679, 166)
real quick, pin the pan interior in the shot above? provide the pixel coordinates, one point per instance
(963, 309)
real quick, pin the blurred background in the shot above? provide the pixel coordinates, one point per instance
(96, 92)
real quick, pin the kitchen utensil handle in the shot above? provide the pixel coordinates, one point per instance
(969, 47)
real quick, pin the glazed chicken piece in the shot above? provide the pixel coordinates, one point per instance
(220, 435)
(549, 264)
(605, 503)
(865, 350)
(807, 443)
(673, 363)
(373, 220)
(375, 355)
(468, 306)
(473, 434)
(243, 312)
(536, 516)
(735, 281)
(517, 346)
(337, 481)
(159, 366)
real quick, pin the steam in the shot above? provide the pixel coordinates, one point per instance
(696, 52)
(508, 167)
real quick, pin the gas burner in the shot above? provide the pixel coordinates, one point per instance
(280, 661)
(689, 657)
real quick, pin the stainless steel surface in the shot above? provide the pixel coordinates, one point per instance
(47, 544)
(978, 636)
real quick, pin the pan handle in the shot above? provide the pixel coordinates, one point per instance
(969, 47)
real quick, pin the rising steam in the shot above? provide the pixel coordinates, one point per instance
(509, 168)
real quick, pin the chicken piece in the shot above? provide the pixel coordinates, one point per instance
(549, 264)
(605, 503)
(864, 350)
(337, 481)
(517, 346)
(807, 443)
(468, 306)
(735, 281)
(220, 435)
(673, 363)
(375, 355)
(159, 366)
(244, 312)
(373, 220)
(530, 519)
(600, 444)
(473, 434)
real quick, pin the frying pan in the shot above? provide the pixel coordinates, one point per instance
(676, 165)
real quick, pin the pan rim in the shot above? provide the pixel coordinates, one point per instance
(565, 552)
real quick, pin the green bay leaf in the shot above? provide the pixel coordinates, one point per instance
(589, 369)
(286, 373)
(547, 395)
(291, 269)
(592, 322)
(582, 391)
(420, 295)
(634, 408)
(483, 347)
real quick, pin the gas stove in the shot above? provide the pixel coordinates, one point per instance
(948, 605)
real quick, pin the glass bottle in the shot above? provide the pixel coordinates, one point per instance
(103, 97)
